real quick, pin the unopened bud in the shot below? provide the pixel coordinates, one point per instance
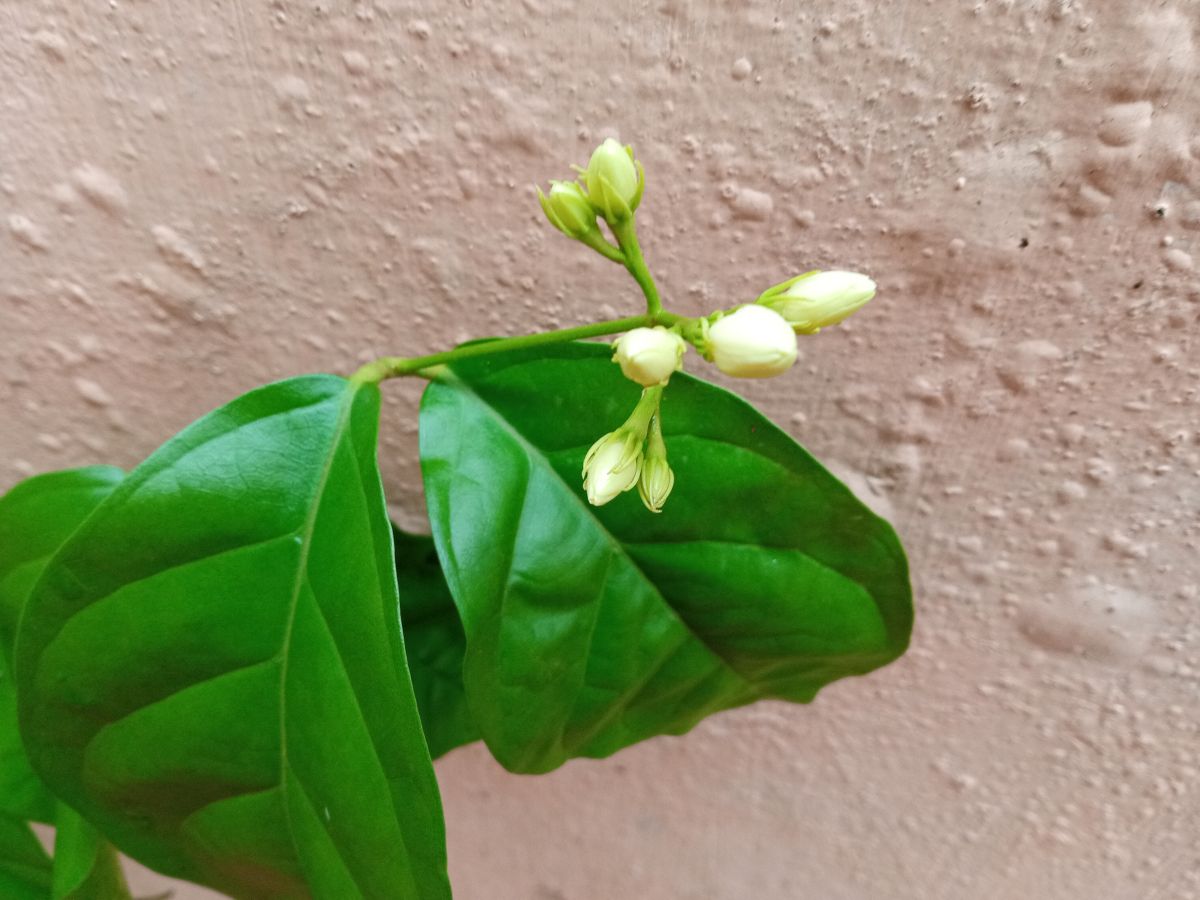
(612, 466)
(614, 181)
(656, 479)
(751, 342)
(649, 355)
(568, 209)
(817, 300)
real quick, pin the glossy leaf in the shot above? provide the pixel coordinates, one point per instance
(211, 668)
(24, 865)
(36, 517)
(434, 639)
(589, 629)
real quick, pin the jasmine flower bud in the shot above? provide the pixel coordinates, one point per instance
(568, 209)
(612, 465)
(817, 300)
(751, 342)
(649, 355)
(614, 462)
(614, 181)
(656, 479)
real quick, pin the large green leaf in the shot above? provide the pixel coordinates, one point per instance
(433, 636)
(589, 629)
(211, 668)
(36, 517)
(24, 865)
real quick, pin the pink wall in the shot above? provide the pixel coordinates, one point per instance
(198, 197)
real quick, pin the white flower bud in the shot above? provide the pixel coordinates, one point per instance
(610, 467)
(819, 299)
(649, 355)
(751, 342)
(614, 181)
(656, 479)
(655, 483)
(568, 209)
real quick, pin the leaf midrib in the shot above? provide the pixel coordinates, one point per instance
(305, 533)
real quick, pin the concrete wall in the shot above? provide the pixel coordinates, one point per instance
(196, 197)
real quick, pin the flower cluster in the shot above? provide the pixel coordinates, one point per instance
(633, 455)
(753, 340)
(612, 188)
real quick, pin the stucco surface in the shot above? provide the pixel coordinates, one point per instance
(196, 197)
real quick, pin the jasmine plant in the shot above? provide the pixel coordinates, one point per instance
(228, 664)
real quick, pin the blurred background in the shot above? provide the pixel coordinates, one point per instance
(199, 197)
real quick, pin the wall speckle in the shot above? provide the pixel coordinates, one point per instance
(198, 198)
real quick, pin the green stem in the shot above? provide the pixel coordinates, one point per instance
(626, 235)
(396, 366)
(596, 241)
(646, 407)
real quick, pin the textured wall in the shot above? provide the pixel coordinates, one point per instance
(199, 196)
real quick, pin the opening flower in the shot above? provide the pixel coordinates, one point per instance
(612, 466)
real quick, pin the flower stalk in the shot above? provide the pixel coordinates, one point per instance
(398, 366)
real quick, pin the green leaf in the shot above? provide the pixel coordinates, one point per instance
(589, 629)
(86, 866)
(36, 517)
(211, 668)
(24, 865)
(433, 636)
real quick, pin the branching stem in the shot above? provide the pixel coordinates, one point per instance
(626, 236)
(396, 366)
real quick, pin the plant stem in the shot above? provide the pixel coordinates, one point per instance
(626, 235)
(596, 241)
(396, 366)
(646, 407)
